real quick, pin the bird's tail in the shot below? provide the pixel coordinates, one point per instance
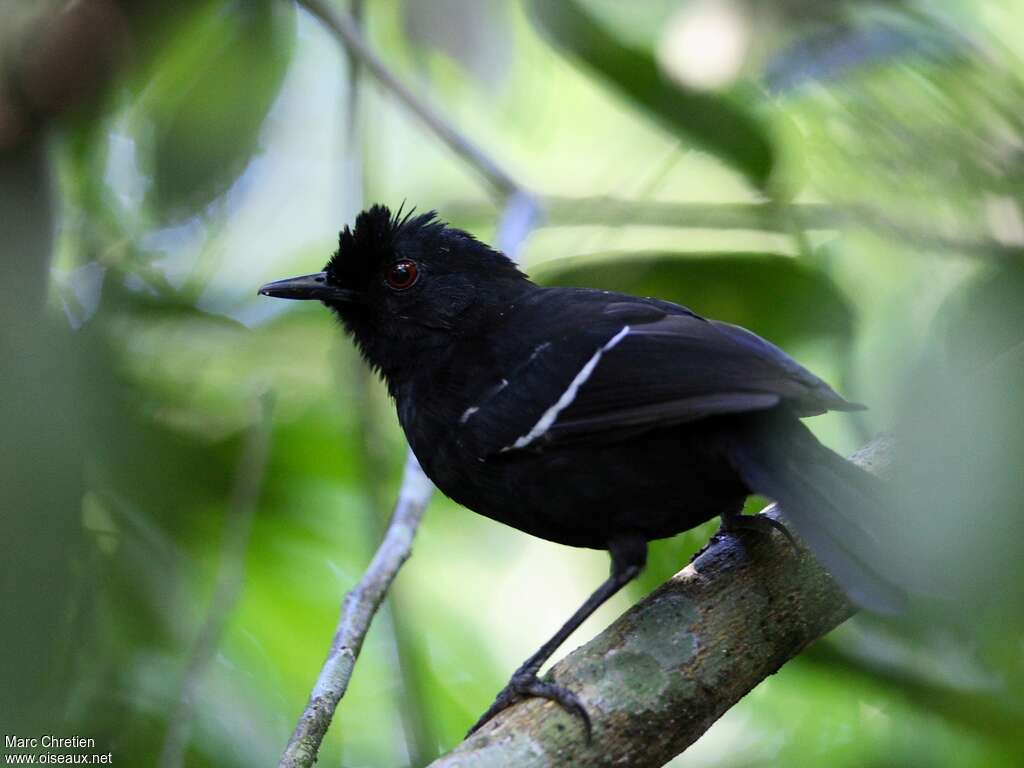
(829, 502)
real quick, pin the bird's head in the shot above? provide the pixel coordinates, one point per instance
(402, 285)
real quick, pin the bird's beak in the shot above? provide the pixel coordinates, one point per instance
(313, 286)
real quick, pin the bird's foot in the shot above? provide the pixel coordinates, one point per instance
(759, 524)
(526, 684)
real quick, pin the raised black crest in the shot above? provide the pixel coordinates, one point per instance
(378, 236)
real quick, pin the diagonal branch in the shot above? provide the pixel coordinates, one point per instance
(357, 611)
(657, 678)
(346, 31)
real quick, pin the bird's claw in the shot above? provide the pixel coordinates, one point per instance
(761, 524)
(526, 684)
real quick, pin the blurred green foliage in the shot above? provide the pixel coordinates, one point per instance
(711, 122)
(201, 141)
(221, 157)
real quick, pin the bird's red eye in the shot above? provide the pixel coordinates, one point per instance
(402, 274)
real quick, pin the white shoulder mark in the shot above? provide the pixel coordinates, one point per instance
(551, 414)
(468, 413)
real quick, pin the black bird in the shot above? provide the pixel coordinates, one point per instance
(586, 417)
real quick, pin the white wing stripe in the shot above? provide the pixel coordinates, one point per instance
(551, 414)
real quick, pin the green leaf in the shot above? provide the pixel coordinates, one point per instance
(776, 296)
(207, 96)
(946, 680)
(984, 319)
(712, 122)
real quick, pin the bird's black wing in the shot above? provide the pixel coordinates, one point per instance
(618, 365)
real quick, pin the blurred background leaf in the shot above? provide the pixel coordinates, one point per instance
(713, 123)
(205, 96)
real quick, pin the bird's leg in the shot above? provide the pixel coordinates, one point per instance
(628, 558)
(735, 520)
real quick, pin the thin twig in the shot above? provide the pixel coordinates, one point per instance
(357, 611)
(668, 668)
(606, 211)
(344, 28)
(230, 578)
(520, 216)
(758, 216)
